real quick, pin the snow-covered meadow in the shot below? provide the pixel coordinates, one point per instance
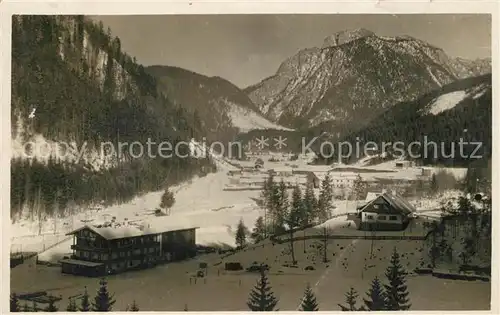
(202, 202)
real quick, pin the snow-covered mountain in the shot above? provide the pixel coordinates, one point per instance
(220, 107)
(354, 76)
(78, 104)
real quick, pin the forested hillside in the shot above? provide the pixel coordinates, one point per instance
(460, 110)
(86, 90)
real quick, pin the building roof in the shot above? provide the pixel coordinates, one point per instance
(158, 226)
(398, 203)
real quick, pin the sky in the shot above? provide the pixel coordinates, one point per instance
(245, 49)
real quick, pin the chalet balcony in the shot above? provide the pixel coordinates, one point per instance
(91, 247)
(87, 247)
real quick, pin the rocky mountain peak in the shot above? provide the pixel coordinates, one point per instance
(346, 36)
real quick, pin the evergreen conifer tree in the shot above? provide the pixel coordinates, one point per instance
(396, 292)
(51, 307)
(280, 207)
(103, 301)
(350, 299)
(359, 188)
(167, 199)
(310, 204)
(375, 296)
(269, 196)
(434, 184)
(14, 303)
(309, 303)
(72, 306)
(261, 297)
(258, 232)
(25, 307)
(325, 200)
(241, 234)
(85, 304)
(134, 307)
(297, 214)
(294, 217)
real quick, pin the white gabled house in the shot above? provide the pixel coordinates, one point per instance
(388, 211)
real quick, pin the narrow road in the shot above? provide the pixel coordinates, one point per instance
(338, 259)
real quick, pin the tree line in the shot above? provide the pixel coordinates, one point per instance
(470, 120)
(287, 214)
(392, 295)
(55, 62)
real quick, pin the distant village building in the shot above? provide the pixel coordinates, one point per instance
(259, 163)
(98, 251)
(344, 180)
(283, 172)
(403, 164)
(234, 173)
(426, 172)
(249, 169)
(388, 211)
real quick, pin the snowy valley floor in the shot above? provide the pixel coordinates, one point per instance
(169, 288)
(204, 203)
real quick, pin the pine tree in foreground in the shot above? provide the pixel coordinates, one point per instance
(396, 292)
(14, 303)
(72, 306)
(51, 307)
(25, 307)
(351, 298)
(261, 297)
(85, 304)
(309, 303)
(134, 307)
(375, 296)
(103, 301)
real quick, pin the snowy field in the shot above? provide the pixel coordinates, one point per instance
(200, 202)
(352, 263)
(203, 204)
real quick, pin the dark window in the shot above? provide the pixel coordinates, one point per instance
(393, 218)
(381, 217)
(370, 217)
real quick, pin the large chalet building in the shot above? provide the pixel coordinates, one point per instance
(98, 251)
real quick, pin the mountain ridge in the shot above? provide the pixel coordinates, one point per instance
(360, 57)
(222, 107)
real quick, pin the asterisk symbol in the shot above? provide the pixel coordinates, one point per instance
(262, 142)
(280, 142)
